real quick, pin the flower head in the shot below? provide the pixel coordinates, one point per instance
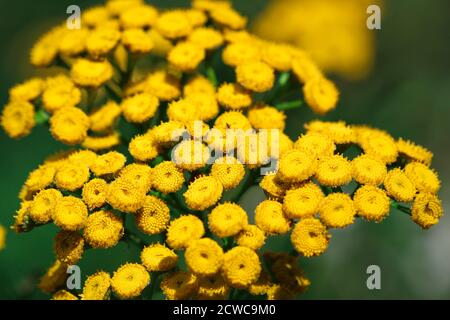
(103, 229)
(130, 280)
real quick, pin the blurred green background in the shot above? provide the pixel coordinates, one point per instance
(408, 94)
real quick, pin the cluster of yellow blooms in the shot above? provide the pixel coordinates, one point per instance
(209, 247)
(321, 27)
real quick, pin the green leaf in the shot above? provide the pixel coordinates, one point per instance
(41, 117)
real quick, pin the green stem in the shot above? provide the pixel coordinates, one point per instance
(401, 208)
(248, 182)
(211, 74)
(114, 89)
(289, 105)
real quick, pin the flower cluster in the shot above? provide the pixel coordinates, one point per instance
(139, 81)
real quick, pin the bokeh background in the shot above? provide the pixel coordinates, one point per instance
(406, 92)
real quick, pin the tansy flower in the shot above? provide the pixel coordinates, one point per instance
(206, 105)
(43, 205)
(94, 193)
(206, 38)
(137, 41)
(198, 84)
(161, 45)
(197, 129)
(334, 171)
(233, 96)
(27, 91)
(96, 286)
(339, 131)
(302, 202)
(368, 170)
(260, 286)
(71, 176)
(100, 143)
(103, 229)
(22, 218)
(139, 108)
(380, 146)
(70, 213)
(54, 278)
(426, 210)
(305, 69)
(321, 95)
(88, 73)
(371, 203)
(96, 15)
(141, 173)
(102, 41)
(270, 218)
(414, 152)
(316, 143)
(40, 178)
(424, 178)
(190, 155)
(310, 237)
(168, 133)
(266, 117)
(60, 92)
(116, 7)
(203, 192)
(2, 237)
(69, 125)
(212, 288)
(241, 267)
(398, 186)
(174, 24)
(45, 50)
(69, 247)
(18, 119)
(251, 237)
(142, 16)
(227, 220)
(125, 195)
(130, 280)
(337, 210)
(276, 55)
(208, 5)
(186, 56)
(252, 149)
(204, 257)
(255, 76)
(183, 230)
(104, 117)
(158, 258)
(197, 18)
(240, 52)
(228, 17)
(82, 157)
(162, 85)
(154, 216)
(179, 285)
(232, 120)
(182, 111)
(167, 177)
(143, 148)
(296, 166)
(272, 187)
(108, 163)
(229, 171)
(63, 295)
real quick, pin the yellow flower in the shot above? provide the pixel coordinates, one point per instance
(339, 132)
(206, 38)
(43, 205)
(63, 295)
(321, 95)
(82, 157)
(302, 202)
(167, 177)
(190, 155)
(158, 258)
(27, 91)
(241, 267)
(179, 285)
(103, 229)
(116, 7)
(18, 119)
(208, 5)
(424, 178)
(227, 220)
(316, 143)
(337, 210)
(73, 42)
(40, 178)
(154, 216)
(206, 105)
(96, 15)
(88, 73)
(241, 52)
(60, 92)
(2, 237)
(232, 120)
(203, 193)
(139, 108)
(310, 237)
(266, 117)
(228, 17)
(255, 76)
(168, 133)
(272, 187)
(371, 203)
(143, 148)
(197, 129)
(101, 143)
(204, 257)
(141, 173)
(182, 111)
(251, 237)
(96, 286)
(197, 18)
(125, 195)
(69, 125)
(380, 146)
(334, 171)
(229, 171)
(368, 170)
(130, 280)
(174, 24)
(233, 96)
(261, 286)
(426, 210)
(199, 84)
(69, 247)
(186, 56)
(108, 163)
(305, 69)
(278, 56)
(142, 16)
(137, 41)
(71, 176)
(183, 230)
(270, 218)
(398, 186)
(45, 49)
(102, 41)
(162, 85)
(94, 193)
(414, 152)
(70, 213)
(296, 166)
(212, 288)
(54, 278)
